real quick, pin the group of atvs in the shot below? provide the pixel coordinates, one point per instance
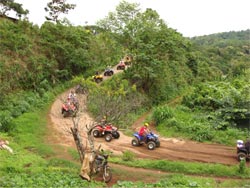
(108, 131)
(109, 71)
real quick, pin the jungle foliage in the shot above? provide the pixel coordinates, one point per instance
(164, 64)
(229, 51)
(210, 73)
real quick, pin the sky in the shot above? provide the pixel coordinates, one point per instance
(188, 17)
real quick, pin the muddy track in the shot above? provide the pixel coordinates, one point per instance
(170, 149)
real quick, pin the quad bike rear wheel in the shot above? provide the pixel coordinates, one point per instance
(96, 133)
(135, 142)
(98, 80)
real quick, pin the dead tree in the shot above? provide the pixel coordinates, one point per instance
(88, 153)
(77, 138)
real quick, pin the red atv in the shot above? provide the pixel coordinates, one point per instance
(121, 66)
(69, 109)
(108, 131)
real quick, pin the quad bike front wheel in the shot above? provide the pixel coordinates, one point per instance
(108, 137)
(157, 144)
(107, 174)
(116, 135)
(151, 145)
(241, 156)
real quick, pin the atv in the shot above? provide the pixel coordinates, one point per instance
(151, 140)
(108, 131)
(121, 66)
(128, 60)
(108, 72)
(97, 78)
(69, 109)
(243, 150)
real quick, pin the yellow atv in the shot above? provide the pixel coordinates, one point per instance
(128, 60)
(97, 78)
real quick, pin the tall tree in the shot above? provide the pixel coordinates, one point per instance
(57, 7)
(11, 5)
(160, 52)
(117, 21)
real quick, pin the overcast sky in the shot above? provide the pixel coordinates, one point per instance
(189, 17)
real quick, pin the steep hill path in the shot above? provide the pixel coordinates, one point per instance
(170, 149)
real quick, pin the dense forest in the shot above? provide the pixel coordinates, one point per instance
(34, 60)
(209, 74)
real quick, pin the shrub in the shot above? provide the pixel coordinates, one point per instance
(227, 101)
(242, 166)
(5, 119)
(128, 156)
(162, 113)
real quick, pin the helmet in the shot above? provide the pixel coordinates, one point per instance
(104, 117)
(146, 124)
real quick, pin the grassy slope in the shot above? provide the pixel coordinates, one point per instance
(35, 163)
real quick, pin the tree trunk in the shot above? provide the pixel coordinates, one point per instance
(78, 142)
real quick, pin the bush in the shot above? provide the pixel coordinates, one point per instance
(202, 134)
(5, 119)
(128, 156)
(227, 101)
(162, 113)
(242, 166)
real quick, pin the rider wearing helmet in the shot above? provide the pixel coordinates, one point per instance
(144, 131)
(104, 121)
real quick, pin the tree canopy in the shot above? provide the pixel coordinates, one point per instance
(10, 5)
(57, 7)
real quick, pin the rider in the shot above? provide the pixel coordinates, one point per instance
(247, 145)
(72, 95)
(103, 123)
(108, 67)
(144, 131)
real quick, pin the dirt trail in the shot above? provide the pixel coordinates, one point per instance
(170, 149)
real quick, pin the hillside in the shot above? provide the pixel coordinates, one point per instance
(193, 92)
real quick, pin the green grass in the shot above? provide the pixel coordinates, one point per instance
(49, 178)
(180, 180)
(185, 167)
(195, 126)
(29, 132)
(34, 163)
